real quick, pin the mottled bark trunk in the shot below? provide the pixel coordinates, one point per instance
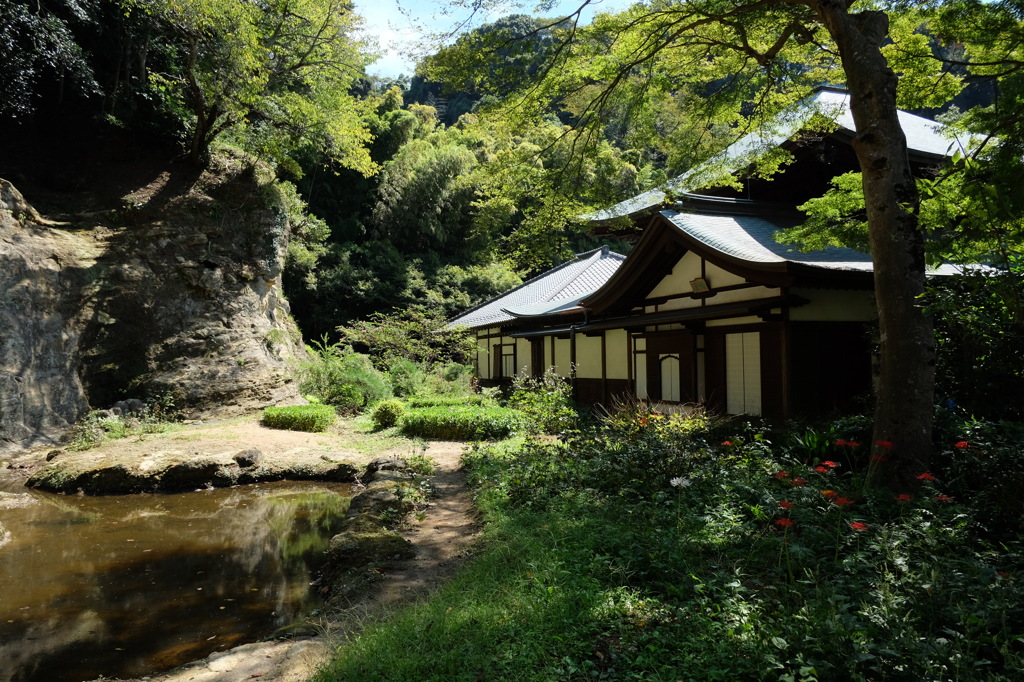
(906, 379)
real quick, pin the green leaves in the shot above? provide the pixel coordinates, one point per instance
(275, 74)
(38, 44)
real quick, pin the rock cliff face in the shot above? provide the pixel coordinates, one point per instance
(174, 292)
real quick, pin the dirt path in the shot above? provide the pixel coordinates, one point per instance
(442, 540)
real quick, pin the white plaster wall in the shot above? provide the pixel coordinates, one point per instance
(678, 281)
(743, 295)
(524, 359)
(679, 303)
(834, 305)
(588, 356)
(717, 277)
(563, 357)
(617, 347)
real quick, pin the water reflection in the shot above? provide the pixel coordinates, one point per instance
(129, 585)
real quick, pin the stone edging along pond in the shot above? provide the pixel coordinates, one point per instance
(173, 472)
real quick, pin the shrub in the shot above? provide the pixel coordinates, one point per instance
(546, 401)
(314, 418)
(338, 376)
(415, 334)
(451, 379)
(386, 413)
(461, 423)
(406, 377)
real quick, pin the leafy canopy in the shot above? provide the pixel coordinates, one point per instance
(276, 74)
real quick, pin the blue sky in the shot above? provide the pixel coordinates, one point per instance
(399, 25)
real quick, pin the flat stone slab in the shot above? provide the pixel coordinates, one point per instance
(179, 470)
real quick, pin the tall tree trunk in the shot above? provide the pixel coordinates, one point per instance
(906, 380)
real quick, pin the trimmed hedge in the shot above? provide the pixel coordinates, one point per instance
(447, 422)
(314, 418)
(444, 401)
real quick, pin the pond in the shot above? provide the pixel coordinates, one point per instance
(124, 586)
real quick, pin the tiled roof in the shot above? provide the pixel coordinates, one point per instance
(557, 290)
(924, 136)
(752, 239)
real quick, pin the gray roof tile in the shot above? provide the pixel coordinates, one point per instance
(752, 239)
(558, 289)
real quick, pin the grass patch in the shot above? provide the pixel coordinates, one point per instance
(312, 418)
(361, 435)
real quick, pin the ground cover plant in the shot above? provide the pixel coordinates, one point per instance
(159, 416)
(689, 548)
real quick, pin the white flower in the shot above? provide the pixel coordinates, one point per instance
(680, 482)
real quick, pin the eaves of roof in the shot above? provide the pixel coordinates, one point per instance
(559, 288)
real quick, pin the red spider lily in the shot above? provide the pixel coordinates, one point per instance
(885, 444)
(903, 497)
(727, 443)
(821, 469)
(798, 481)
(781, 474)
(842, 442)
(786, 504)
(943, 498)
(785, 523)
(643, 421)
(925, 477)
(829, 493)
(852, 444)
(842, 501)
(830, 464)
(857, 525)
(963, 445)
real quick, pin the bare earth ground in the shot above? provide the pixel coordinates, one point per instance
(442, 539)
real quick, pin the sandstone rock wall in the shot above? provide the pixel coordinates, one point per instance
(172, 294)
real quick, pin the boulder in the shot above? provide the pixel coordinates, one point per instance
(194, 474)
(248, 458)
(367, 542)
(380, 498)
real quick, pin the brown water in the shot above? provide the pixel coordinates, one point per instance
(125, 586)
